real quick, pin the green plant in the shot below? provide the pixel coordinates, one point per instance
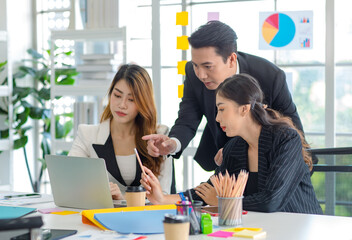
(33, 103)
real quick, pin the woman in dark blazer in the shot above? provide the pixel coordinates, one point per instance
(265, 144)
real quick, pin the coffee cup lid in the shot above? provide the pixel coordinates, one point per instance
(170, 218)
(135, 189)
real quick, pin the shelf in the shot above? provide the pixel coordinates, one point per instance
(5, 145)
(96, 34)
(3, 36)
(4, 91)
(81, 90)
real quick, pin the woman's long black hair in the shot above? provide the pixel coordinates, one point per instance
(244, 89)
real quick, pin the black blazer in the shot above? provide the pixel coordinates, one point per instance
(284, 183)
(198, 101)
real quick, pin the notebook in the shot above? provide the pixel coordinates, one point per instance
(79, 182)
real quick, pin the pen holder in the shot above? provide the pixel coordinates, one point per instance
(135, 196)
(230, 211)
(194, 213)
(176, 227)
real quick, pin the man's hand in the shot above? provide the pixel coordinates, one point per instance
(218, 157)
(159, 144)
(207, 193)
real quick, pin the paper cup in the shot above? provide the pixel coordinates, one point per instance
(135, 196)
(176, 227)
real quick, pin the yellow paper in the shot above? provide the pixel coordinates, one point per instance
(89, 214)
(182, 18)
(238, 229)
(182, 43)
(181, 67)
(64, 212)
(180, 91)
(250, 234)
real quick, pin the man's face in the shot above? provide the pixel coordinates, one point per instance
(210, 67)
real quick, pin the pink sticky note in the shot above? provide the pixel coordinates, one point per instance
(49, 210)
(221, 234)
(213, 16)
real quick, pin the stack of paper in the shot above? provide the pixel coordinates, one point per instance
(98, 66)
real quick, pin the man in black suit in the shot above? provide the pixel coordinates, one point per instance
(215, 58)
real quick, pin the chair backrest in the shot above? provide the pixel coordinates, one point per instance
(332, 179)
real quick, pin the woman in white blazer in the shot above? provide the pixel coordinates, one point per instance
(129, 115)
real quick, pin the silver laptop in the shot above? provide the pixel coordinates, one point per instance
(79, 182)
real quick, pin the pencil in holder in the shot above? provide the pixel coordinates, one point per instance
(230, 211)
(193, 211)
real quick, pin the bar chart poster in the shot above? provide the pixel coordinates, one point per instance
(286, 30)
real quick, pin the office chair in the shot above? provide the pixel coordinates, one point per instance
(332, 179)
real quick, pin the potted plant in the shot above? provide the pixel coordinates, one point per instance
(33, 103)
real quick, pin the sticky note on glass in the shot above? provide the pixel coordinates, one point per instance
(182, 18)
(213, 16)
(181, 67)
(180, 91)
(182, 43)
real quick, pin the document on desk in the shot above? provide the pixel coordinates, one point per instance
(106, 235)
(7, 212)
(23, 200)
(88, 216)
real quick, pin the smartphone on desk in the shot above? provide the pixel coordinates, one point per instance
(48, 234)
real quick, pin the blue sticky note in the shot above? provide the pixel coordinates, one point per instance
(14, 212)
(138, 222)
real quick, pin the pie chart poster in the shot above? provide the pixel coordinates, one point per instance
(286, 30)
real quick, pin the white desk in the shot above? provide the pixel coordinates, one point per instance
(278, 226)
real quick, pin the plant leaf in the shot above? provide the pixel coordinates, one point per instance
(67, 81)
(4, 133)
(34, 53)
(68, 126)
(44, 93)
(20, 143)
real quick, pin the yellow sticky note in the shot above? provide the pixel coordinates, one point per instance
(64, 212)
(238, 229)
(182, 43)
(182, 18)
(250, 234)
(181, 67)
(180, 91)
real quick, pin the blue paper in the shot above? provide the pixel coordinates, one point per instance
(138, 222)
(14, 212)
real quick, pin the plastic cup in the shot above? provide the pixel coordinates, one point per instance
(135, 196)
(185, 208)
(230, 211)
(176, 227)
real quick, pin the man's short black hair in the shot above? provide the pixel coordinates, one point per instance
(215, 34)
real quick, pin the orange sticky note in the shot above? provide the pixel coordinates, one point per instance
(182, 18)
(181, 67)
(64, 212)
(180, 91)
(182, 43)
